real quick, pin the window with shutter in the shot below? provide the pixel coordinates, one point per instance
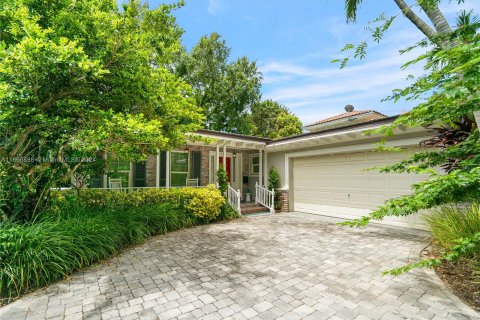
(139, 174)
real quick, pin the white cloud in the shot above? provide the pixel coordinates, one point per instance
(214, 6)
(313, 93)
(314, 89)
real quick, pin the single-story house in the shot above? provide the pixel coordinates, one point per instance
(321, 170)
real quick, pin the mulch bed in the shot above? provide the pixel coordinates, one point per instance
(461, 277)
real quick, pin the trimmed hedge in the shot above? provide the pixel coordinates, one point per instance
(201, 203)
(82, 229)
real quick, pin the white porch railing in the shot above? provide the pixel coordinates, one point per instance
(233, 198)
(265, 197)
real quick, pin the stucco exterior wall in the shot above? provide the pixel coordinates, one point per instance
(277, 160)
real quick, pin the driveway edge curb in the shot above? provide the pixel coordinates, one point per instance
(431, 275)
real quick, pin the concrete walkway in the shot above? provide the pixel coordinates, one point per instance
(282, 266)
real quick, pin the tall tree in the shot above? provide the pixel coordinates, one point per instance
(448, 94)
(224, 91)
(81, 76)
(272, 120)
(430, 8)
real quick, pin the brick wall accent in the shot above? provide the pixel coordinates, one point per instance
(151, 168)
(204, 171)
(284, 201)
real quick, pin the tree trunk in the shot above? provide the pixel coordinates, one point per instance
(415, 19)
(437, 18)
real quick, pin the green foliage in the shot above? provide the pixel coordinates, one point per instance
(448, 94)
(3, 192)
(82, 228)
(202, 204)
(224, 90)
(464, 247)
(33, 255)
(452, 222)
(82, 76)
(227, 213)
(456, 228)
(272, 120)
(449, 91)
(222, 180)
(273, 180)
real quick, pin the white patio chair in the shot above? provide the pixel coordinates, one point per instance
(115, 184)
(191, 182)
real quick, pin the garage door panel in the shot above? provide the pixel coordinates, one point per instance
(339, 181)
(377, 183)
(400, 185)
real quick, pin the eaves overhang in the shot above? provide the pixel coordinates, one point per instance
(354, 134)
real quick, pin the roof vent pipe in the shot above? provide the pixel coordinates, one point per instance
(349, 108)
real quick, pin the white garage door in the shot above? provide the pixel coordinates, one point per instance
(337, 185)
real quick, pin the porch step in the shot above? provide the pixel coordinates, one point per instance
(249, 205)
(253, 208)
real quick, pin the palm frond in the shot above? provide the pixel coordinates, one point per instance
(351, 8)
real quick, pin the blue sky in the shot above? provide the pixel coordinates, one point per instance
(293, 43)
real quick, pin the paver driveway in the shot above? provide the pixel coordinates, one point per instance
(289, 266)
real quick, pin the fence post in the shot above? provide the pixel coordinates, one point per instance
(272, 209)
(238, 202)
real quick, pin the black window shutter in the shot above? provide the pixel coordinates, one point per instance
(196, 165)
(163, 169)
(139, 174)
(96, 182)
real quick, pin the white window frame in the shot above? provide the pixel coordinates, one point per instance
(250, 165)
(188, 165)
(129, 171)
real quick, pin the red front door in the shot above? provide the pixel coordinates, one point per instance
(228, 167)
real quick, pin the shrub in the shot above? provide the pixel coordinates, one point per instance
(450, 223)
(222, 180)
(203, 204)
(35, 254)
(82, 228)
(228, 213)
(456, 228)
(273, 180)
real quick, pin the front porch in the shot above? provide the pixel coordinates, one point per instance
(196, 165)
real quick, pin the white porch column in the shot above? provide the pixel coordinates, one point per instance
(167, 169)
(157, 171)
(224, 157)
(260, 169)
(105, 176)
(265, 169)
(130, 175)
(217, 157)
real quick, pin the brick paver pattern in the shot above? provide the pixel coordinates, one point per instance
(281, 266)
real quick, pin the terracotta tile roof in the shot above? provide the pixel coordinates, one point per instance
(376, 114)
